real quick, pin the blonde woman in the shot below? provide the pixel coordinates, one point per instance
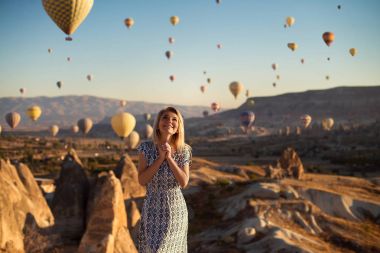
(164, 168)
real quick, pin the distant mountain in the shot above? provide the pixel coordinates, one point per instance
(67, 110)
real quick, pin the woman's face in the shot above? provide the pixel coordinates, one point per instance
(168, 123)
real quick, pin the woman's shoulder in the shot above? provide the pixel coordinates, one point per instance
(145, 145)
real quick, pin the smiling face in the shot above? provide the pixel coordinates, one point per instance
(168, 123)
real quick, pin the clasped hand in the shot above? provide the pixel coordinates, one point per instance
(165, 150)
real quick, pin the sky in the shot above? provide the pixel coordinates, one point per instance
(130, 64)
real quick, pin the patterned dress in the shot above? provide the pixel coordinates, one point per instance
(164, 217)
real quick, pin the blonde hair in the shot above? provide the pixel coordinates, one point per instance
(177, 139)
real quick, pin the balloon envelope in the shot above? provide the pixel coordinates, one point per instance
(129, 22)
(327, 124)
(174, 20)
(123, 124)
(148, 131)
(328, 38)
(215, 107)
(290, 21)
(13, 119)
(293, 46)
(34, 112)
(305, 120)
(353, 51)
(75, 129)
(132, 140)
(236, 88)
(54, 129)
(246, 119)
(85, 125)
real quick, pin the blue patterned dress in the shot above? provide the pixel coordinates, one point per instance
(164, 217)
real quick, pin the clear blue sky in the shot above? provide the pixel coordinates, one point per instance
(131, 65)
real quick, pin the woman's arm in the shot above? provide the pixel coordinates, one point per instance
(146, 173)
(181, 175)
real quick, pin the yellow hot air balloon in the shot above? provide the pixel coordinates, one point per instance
(132, 140)
(353, 51)
(54, 129)
(236, 88)
(123, 123)
(327, 124)
(34, 112)
(13, 119)
(328, 38)
(148, 131)
(293, 46)
(129, 22)
(85, 125)
(174, 20)
(68, 14)
(290, 21)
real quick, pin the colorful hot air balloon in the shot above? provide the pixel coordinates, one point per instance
(215, 107)
(13, 119)
(22, 90)
(34, 112)
(132, 140)
(67, 14)
(148, 131)
(54, 129)
(168, 54)
(327, 124)
(205, 113)
(293, 46)
(203, 88)
(305, 120)
(236, 88)
(353, 51)
(89, 77)
(290, 21)
(85, 125)
(75, 129)
(129, 22)
(59, 84)
(174, 20)
(172, 78)
(171, 40)
(246, 119)
(147, 116)
(328, 38)
(50, 50)
(274, 66)
(123, 124)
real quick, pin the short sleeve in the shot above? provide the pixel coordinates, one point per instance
(142, 148)
(187, 155)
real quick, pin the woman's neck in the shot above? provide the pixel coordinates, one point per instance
(165, 139)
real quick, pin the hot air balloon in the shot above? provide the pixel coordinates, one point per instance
(290, 21)
(148, 131)
(75, 129)
(274, 84)
(353, 51)
(168, 54)
(293, 46)
(68, 58)
(250, 102)
(219, 46)
(54, 129)
(339, 7)
(328, 38)
(132, 140)
(302, 60)
(123, 103)
(172, 78)
(208, 80)
(22, 90)
(204, 72)
(274, 66)
(0, 129)
(327, 77)
(305, 120)
(218, 1)
(247, 93)
(50, 50)
(246, 120)
(215, 107)
(327, 124)
(34, 112)
(298, 130)
(85, 125)
(147, 116)
(89, 77)
(174, 20)
(328, 58)
(129, 22)
(203, 88)
(278, 77)
(236, 88)
(171, 40)
(123, 124)
(205, 113)
(66, 14)
(59, 84)
(13, 119)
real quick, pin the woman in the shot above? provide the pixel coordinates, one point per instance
(164, 169)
